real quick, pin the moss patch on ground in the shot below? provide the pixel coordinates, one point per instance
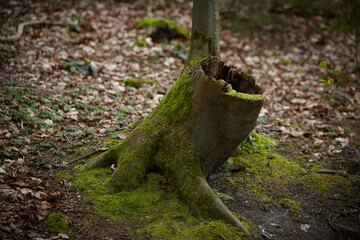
(162, 22)
(56, 222)
(138, 82)
(153, 206)
(276, 181)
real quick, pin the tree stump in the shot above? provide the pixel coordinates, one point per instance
(208, 112)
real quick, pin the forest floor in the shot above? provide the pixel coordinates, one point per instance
(63, 89)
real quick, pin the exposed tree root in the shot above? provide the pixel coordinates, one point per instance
(21, 27)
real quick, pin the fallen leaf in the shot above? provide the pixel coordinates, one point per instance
(27, 191)
(122, 135)
(40, 195)
(318, 141)
(305, 227)
(51, 196)
(44, 205)
(343, 141)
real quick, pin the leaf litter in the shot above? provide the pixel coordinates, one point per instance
(63, 88)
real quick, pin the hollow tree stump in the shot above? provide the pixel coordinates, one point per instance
(208, 112)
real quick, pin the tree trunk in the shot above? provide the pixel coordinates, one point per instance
(208, 112)
(205, 29)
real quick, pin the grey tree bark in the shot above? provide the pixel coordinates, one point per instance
(205, 29)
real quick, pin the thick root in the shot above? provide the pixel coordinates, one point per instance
(104, 160)
(218, 208)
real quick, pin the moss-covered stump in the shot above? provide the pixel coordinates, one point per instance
(208, 112)
(163, 29)
(56, 222)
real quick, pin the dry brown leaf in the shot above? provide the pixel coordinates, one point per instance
(44, 205)
(343, 141)
(122, 135)
(51, 196)
(318, 141)
(40, 195)
(27, 191)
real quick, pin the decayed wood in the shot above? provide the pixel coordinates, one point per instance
(221, 122)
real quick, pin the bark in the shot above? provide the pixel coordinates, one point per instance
(208, 112)
(205, 29)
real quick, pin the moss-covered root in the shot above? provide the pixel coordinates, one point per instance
(132, 157)
(104, 160)
(218, 208)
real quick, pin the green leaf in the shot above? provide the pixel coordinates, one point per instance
(323, 65)
(337, 72)
(330, 81)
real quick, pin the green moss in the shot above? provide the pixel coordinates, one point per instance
(274, 180)
(141, 42)
(245, 96)
(323, 184)
(64, 175)
(205, 230)
(162, 214)
(198, 41)
(56, 222)
(204, 40)
(285, 62)
(118, 205)
(138, 82)
(160, 22)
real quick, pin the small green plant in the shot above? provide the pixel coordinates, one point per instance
(250, 145)
(330, 79)
(75, 67)
(223, 196)
(285, 62)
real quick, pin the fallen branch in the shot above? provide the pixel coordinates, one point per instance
(342, 173)
(21, 26)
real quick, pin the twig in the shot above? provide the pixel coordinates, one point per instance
(21, 26)
(331, 222)
(223, 237)
(275, 216)
(53, 144)
(85, 156)
(83, 234)
(67, 139)
(346, 228)
(325, 171)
